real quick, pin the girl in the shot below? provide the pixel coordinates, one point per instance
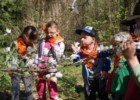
(51, 49)
(25, 40)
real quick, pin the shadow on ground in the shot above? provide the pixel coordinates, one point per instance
(8, 95)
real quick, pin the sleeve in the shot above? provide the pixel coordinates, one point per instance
(76, 59)
(62, 48)
(136, 73)
(104, 54)
(58, 50)
(38, 57)
(41, 47)
(107, 65)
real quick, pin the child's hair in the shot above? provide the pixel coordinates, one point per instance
(50, 24)
(120, 37)
(32, 34)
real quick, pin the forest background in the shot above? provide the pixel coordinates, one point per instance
(103, 15)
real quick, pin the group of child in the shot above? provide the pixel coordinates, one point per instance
(95, 66)
(51, 48)
(122, 82)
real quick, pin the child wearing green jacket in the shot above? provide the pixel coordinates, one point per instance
(129, 52)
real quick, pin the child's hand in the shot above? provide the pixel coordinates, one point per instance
(74, 49)
(129, 49)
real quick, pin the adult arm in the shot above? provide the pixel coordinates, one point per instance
(129, 52)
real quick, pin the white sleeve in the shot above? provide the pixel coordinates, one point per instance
(62, 47)
(38, 56)
(59, 49)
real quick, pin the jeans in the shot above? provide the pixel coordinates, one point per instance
(16, 87)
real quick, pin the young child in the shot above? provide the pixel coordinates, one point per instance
(133, 90)
(124, 86)
(25, 40)
(88, 54)
(51, 49)
(121, 72)
(132, 54)
(129, 52)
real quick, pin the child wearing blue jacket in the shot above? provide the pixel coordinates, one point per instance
(92, 64)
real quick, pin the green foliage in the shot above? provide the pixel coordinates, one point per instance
(107, 23)
(5, 81)
(103, 15)
(12, 12)
(5, 58)
(71, 85)
(6, 40)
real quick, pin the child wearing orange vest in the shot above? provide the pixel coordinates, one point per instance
(25, 40)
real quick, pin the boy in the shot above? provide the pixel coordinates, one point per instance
(88, 53)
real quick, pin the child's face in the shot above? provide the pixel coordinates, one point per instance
(52, 32)
(86, 39)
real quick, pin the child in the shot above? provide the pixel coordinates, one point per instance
(129, 51)
(121, 72)
(130, 54)
(25, 40)
(123, 86)
(133, 90)
(51, 49)
(88, 53)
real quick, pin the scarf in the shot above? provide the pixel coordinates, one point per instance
(22, 46)
(88, 55)
(117, 59)
(137, 39)
(56, 39)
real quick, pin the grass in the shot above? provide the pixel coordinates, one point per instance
(70, 86)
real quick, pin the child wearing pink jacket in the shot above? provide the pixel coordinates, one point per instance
(50, 51)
